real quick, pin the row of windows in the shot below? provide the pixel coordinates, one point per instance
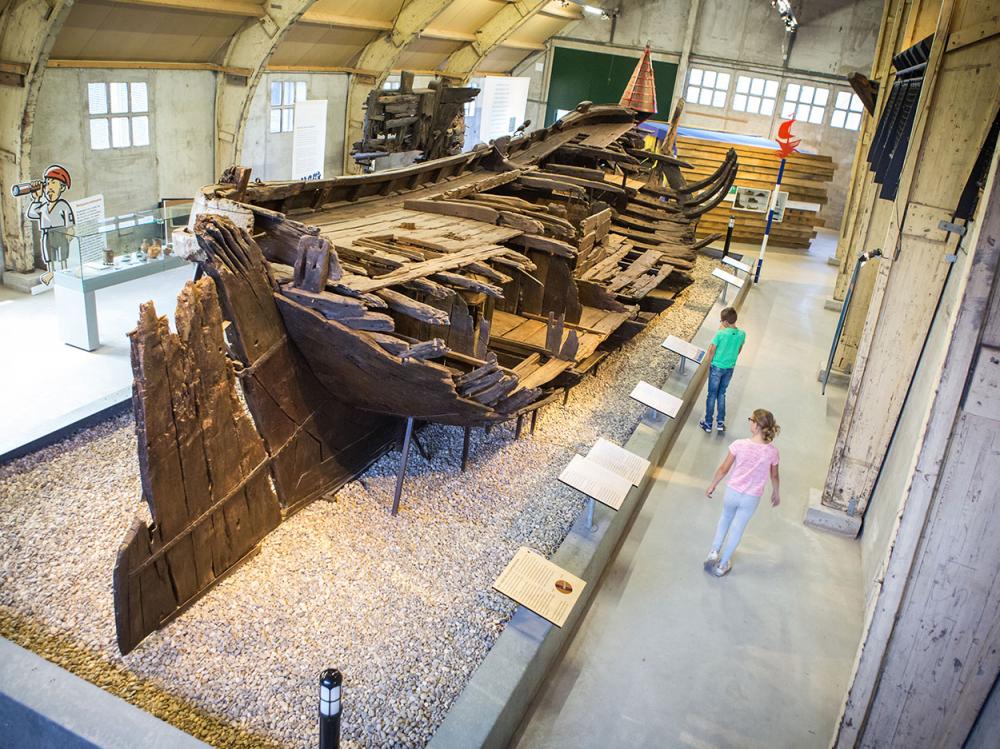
(760, 95)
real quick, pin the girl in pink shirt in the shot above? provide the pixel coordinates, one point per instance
(751, 461)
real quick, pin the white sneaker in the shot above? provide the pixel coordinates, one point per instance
(710, 562)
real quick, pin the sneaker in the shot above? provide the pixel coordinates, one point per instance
(722, 569)
(712, 560)
(706, 426)
(720, 427)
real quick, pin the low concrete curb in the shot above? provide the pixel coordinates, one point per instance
(824, 518)
(497, 697)
(42, 705)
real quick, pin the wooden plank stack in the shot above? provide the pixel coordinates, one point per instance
(429, 120)
(806, 179)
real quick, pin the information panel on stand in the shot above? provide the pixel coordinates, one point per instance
(537, 584)
(656, 399)
(684, 348)
(596, 481)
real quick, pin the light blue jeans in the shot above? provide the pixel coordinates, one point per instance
(737, 509)
(718, 381)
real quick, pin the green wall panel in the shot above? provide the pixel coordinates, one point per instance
(579, 75)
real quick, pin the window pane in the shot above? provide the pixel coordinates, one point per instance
(822, 94)
(802, 113)
(787, 110)
(97, 98)
(806, 95)
(742, 85)
(692, 95)
(99, 139)
(140, 100)
(287, 119)
(853, 120)
(771, 89)
(753, 106)
(288, 92)
(719, 100)
(120, 132)
(140, 131)
(757, 87)
(767, 107)
(838, 118)
(856, 105)
(275, 120)
(119, 98)
(792, 94)
(705, 97)
(276, 94)
(816, 116)
(709, 79)
(722, 82)
(843, 99)
(695, 77)
(300, 91)
(740, 101)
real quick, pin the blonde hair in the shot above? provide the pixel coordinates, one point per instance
(764, 419)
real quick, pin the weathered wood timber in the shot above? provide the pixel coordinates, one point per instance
(452, 291)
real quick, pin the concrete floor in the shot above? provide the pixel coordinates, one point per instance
(668, 656)
(43, 381)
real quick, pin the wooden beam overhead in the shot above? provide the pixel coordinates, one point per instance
(217, 7)
(16, 68)
(557, 9)
(321, 18)
(148, 65)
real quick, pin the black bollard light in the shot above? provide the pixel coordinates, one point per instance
(729, 235)
(329, 709)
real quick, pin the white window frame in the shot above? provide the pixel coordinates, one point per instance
(755, 95)
(118, 115)
(282, 96)
(848, 111)
(805, 102)
(709, 88)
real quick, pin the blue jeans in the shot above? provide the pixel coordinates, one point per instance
(737, 509)
(718, 381)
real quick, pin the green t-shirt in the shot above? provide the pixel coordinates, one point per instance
(727, 342)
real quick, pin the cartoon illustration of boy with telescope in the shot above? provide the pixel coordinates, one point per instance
(53, 215)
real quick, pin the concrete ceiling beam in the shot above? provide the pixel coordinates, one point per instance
(381, 55)
(28, 30)
(251, 48)
(493, 33)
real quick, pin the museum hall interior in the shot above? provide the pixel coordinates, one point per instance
(543, 374)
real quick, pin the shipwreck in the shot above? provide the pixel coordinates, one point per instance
(333, 315)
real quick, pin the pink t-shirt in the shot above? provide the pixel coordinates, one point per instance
(752, 466)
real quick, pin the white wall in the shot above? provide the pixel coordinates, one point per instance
(178, 161)
(269, 155)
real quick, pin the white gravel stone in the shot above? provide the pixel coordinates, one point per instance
(402, 606)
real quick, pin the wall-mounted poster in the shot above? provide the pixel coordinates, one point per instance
(309, 139)
(752, 199)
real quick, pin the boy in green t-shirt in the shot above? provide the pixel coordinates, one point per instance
(722, 353)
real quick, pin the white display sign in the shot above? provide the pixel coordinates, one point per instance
(736, 264)
(685, 348)
(538, 584)
(626, 464)
(89, 214)
(504, 100)
(309, 139)
(656, 399)
(728, 277)
(596, 481)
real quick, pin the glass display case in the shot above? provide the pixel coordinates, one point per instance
(115, 247)
(96, 252)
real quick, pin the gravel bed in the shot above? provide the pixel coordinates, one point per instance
(403, 606)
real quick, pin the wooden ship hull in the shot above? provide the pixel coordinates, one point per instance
(466, 290)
